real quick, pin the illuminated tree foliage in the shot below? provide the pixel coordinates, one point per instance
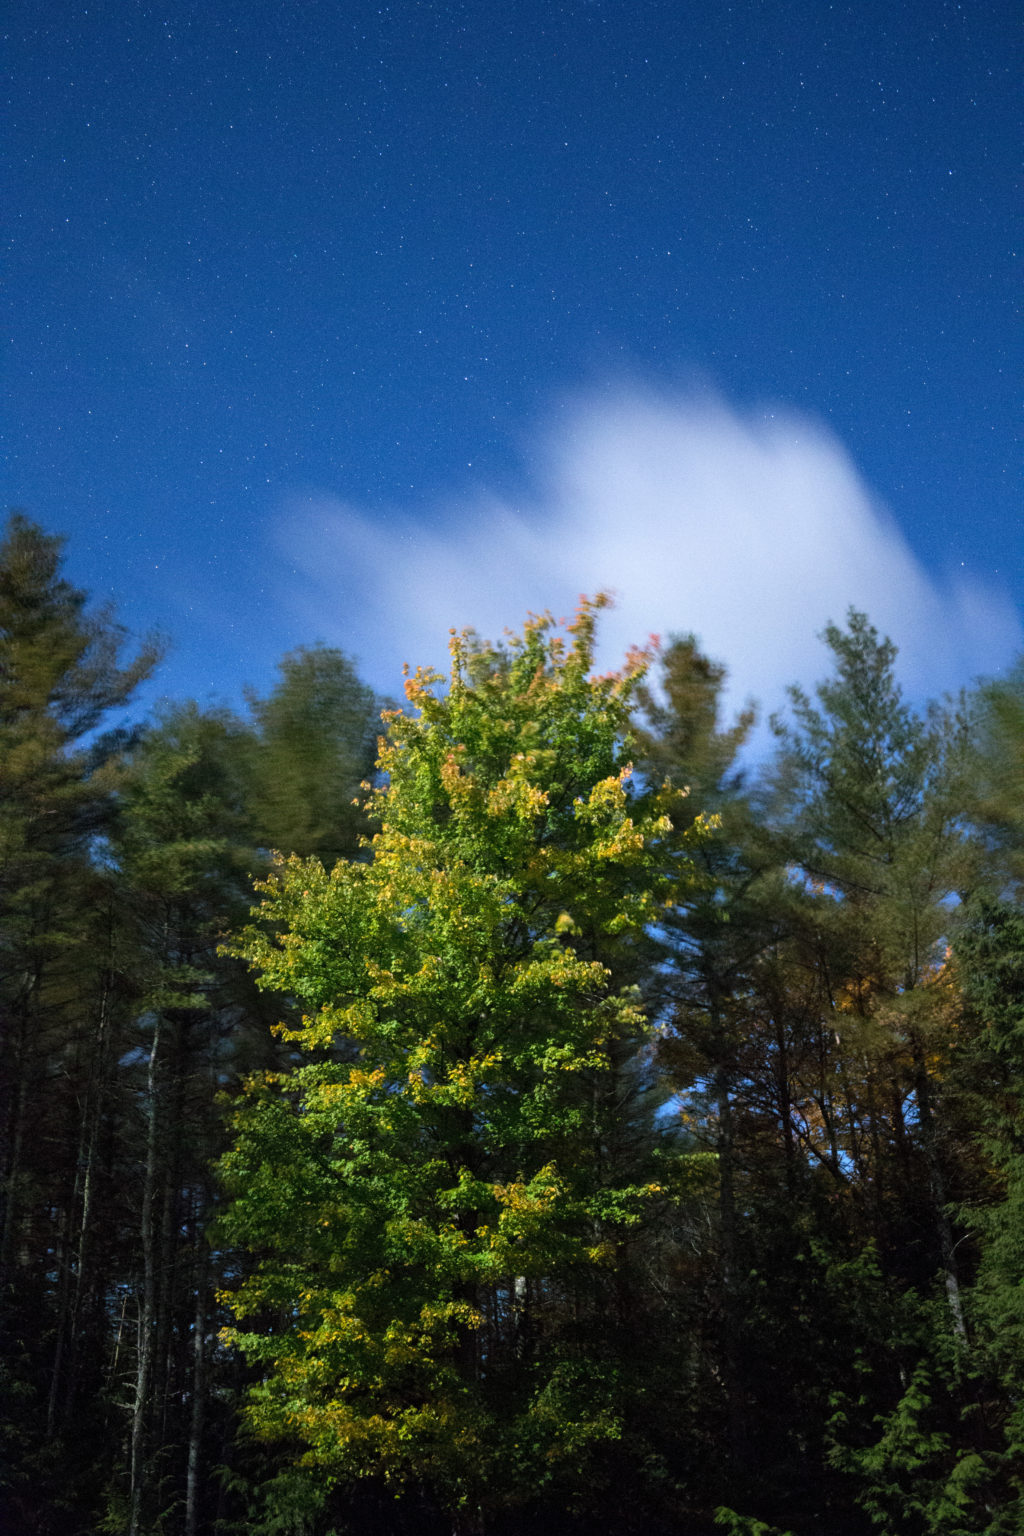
(437, 1220)
(636, 1153)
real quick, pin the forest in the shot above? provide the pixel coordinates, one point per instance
(516, 1111)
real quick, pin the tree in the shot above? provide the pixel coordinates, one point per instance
(869, 809)
(811, 1020)
(317, 737)
(738, 1004)
(704, 950)
(946, 1459)
(61, 673)
(869, 804)
(437, 1221)
(184, 856)
(990, 963)
(997, 802)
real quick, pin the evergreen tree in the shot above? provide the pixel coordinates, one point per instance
(869, 808)
(990, 960)
(869, 802)
(738, 1006)
(701, 952)
(946, 1459)
(61, 673)
(185, 858)
(317, 742)
(997, 802)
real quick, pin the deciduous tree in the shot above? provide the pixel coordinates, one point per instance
(437, 1220)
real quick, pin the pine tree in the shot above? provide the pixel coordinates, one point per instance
(61, 674)
(869, 805)
(184, 856)
(869, 810)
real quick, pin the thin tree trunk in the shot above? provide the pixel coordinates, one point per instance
(195, 1434)
(469, 1522)
(144, 1365)
(16, 1141)
(161, 1390)
(943, 1226)
(785, 1106)
(63, 1259)
(71, 1284)
(726, 1184)
(728, 1266)
(519, 1296)
(91, 1135)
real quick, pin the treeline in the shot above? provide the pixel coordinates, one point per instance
(580, 1136)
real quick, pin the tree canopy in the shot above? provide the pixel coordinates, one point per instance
(425, 1209)
(588, 1127)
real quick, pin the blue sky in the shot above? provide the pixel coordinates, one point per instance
(354, 322)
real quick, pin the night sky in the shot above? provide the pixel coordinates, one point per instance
(354, 322)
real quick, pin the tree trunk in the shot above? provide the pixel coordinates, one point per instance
(731, 1318)
(63, 1265)
(469, 1522)
(937, 1184)
(92, 1121)
(64, 1371)
(195, 1434)
(147, 1310)
(15, 1139)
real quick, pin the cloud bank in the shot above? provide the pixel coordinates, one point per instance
(751, 529)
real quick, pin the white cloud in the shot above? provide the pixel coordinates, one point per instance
(750, 529)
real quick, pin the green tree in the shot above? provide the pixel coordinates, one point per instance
(997, 802)
(760, 1332)
(184, 857)
(810, 1025)
(869, 805)
(61, 673)
(703, 950)
(316, 743)
(990, 965)
(869, 810)
(437, 1221)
